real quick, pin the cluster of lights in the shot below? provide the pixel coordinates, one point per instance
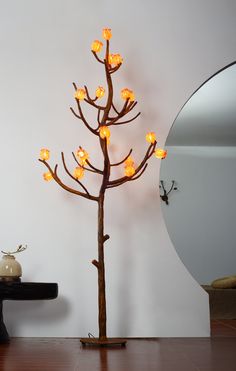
(80, 94)
(104, 131)
(129, 167)
(159, 152)
(45, 155)
(97, 45)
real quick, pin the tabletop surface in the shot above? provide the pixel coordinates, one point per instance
(28, 290)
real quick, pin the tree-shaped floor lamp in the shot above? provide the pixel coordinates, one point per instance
(107, 115)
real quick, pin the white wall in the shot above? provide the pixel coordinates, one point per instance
(169, 49)
(201, 215)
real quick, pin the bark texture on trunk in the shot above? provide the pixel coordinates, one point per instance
(101, 271)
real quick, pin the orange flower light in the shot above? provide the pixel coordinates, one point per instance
(47, 176)
(83, 155)
(80, 94)
(78, 172)
(106, 33)
(115, 59)
(44, 154)
(110, 58)
(129, 162)
(104, 132)
(96, 46)
(100, 91)
(129, 171)
(132, 97)
(151, 137)
(127, 94)
(160, 153)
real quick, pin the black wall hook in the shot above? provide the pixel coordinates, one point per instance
(166, 193)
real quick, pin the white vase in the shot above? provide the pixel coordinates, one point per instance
(10, 269)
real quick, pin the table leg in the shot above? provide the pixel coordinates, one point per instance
(4, 337)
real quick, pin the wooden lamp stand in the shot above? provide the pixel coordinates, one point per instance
(107, 115)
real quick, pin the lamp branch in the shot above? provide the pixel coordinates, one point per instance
(127, 121)
(91, 101)
(64, 186)
(98, 59)
(68, 172)
(124, 179)
(113, 106)
(121, 162)
(124, 111)
(75, 114)
(88, 96)
(112, 70)
(84, 120)
(93, 169)
(81, 115)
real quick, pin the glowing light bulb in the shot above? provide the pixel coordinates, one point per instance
(96, 46)
(83, 155)
(80, 94)
(132, 97)
(160, 153)
(100, 91)
(44, 154)
(106, 33)
(110, 58)
(129, 171)
(129, 162)
(115, 59)
(78, 173)
(127, 94)
(80, 152)
(47, 176)
(151, 137)
(104, 132)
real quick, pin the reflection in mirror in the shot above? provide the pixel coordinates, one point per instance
(201, 216)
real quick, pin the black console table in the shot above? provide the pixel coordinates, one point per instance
(23, 291)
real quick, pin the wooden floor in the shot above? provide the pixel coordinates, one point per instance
(217, 353)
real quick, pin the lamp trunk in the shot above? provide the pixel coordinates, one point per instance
(101, 271)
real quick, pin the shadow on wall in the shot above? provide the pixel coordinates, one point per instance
(38, 311)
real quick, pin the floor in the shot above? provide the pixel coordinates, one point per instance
(217, 353)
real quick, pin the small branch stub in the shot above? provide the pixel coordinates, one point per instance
(95, 263)
(106, 237)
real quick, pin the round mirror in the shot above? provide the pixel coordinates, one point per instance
(201, 213)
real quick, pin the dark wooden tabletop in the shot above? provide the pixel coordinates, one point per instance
(28, 290)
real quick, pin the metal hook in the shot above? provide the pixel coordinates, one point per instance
(166, 193)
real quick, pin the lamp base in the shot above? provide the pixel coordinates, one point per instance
(103, 342)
